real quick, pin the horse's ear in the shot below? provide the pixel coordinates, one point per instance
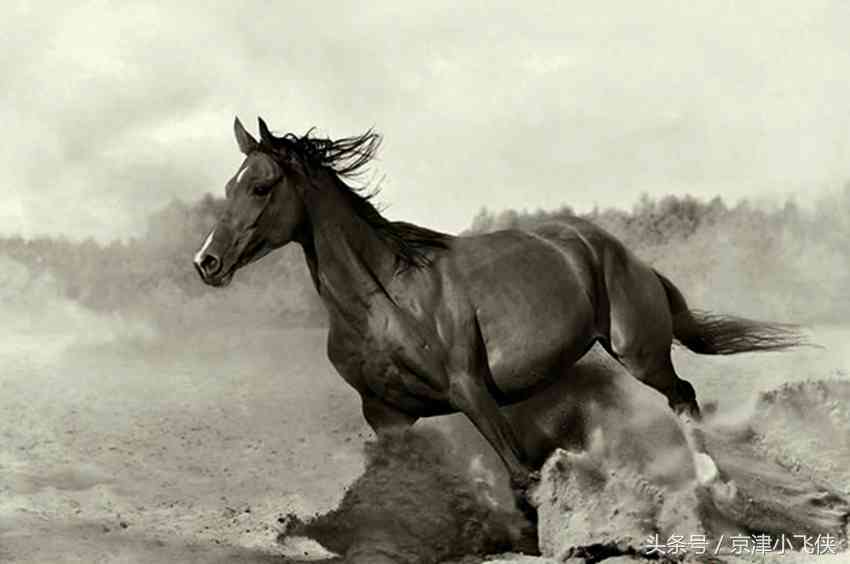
(246, 142)
(265, 135)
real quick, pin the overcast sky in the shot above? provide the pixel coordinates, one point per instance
(110, 112)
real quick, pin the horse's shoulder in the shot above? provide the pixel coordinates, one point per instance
(342, 346)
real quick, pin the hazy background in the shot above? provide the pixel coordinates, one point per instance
(713, 139)
(112, 109)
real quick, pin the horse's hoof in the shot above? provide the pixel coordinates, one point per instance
(527, 510)
(706, 469)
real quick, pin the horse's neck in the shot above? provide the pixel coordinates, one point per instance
(349, 262)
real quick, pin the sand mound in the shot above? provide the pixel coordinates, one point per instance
(805, 427)
(773, 489)
(631, 484)
(591, 508)
(412, 505)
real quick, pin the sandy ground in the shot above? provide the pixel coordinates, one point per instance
(124, 452)
(149, 449)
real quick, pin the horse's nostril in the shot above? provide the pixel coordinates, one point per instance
(210, 265)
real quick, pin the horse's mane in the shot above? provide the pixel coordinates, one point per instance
(347, 158)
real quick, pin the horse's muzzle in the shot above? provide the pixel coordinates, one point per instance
(209, 267)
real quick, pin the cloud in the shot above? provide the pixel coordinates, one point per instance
(113, 109)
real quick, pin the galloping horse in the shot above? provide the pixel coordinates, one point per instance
(424, 323)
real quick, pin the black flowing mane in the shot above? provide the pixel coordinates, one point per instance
(347, 159)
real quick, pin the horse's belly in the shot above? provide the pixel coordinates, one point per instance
(520, 365)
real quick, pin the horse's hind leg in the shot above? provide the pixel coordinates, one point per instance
(641, 333)
(656, 370)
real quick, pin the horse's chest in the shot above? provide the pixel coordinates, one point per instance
(371, 366)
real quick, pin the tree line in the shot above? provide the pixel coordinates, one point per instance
(785, 262)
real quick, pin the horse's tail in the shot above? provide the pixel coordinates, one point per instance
(713, 333)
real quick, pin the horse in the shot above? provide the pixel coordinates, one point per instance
(424, 323)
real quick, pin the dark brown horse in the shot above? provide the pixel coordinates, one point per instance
(423, 323)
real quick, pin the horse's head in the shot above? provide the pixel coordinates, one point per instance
(264, 210)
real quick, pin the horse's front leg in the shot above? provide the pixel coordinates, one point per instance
(469, 395)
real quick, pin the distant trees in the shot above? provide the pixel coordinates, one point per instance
(785, 262)
(153, 276)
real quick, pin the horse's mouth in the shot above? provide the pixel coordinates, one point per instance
(221, 281)
(217, 280)
(251, 254)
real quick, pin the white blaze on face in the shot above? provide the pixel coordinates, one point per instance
(199, 256)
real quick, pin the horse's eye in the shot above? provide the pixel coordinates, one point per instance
(262, 189)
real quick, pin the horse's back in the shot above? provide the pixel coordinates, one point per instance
(524, 268)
